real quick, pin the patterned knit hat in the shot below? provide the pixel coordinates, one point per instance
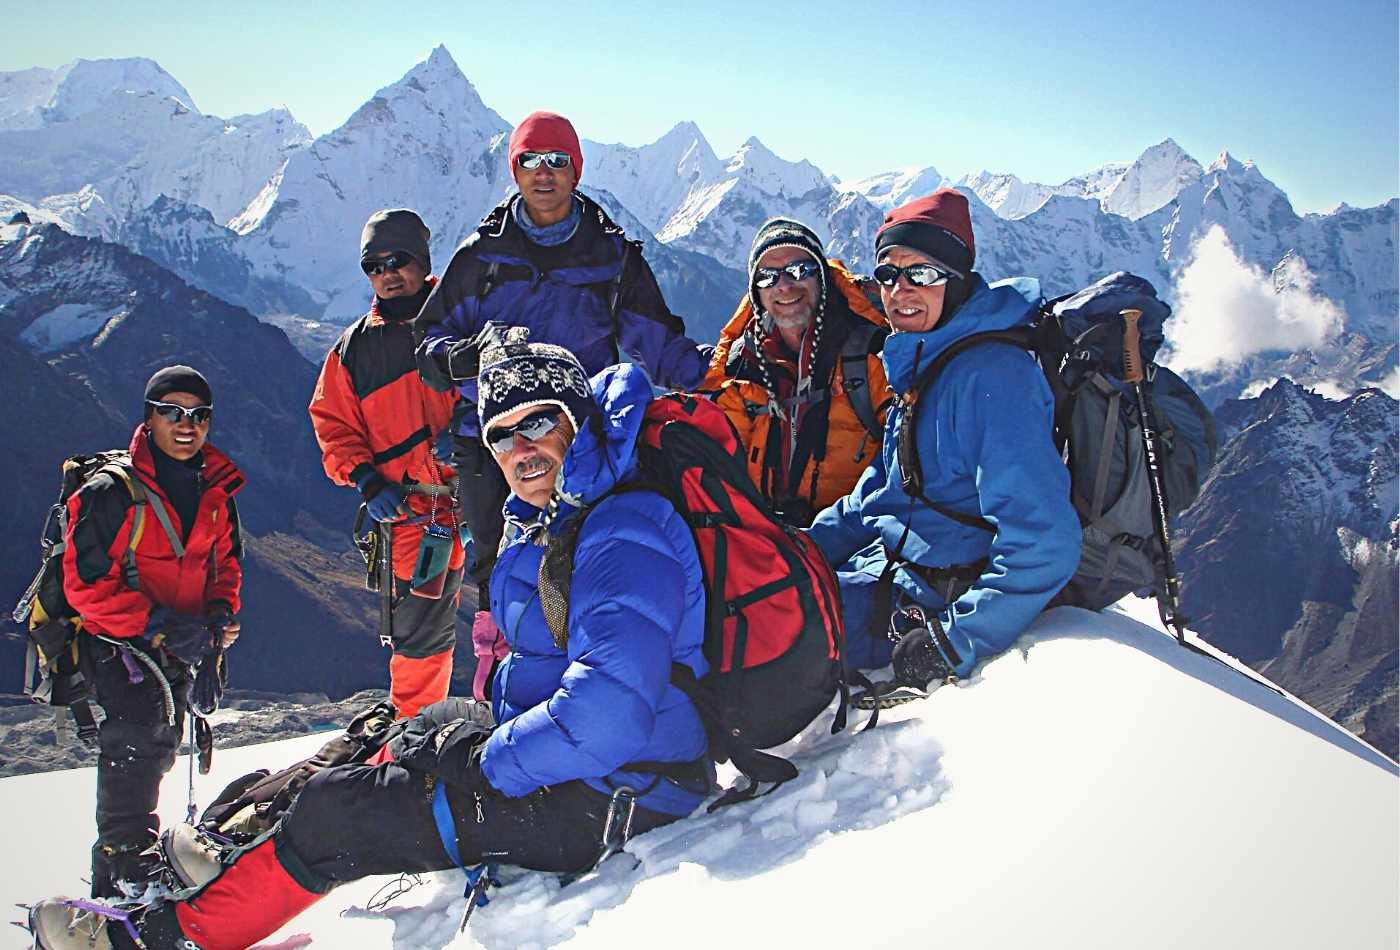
(516, 373)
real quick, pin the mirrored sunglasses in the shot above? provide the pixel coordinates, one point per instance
(394, 261)
(532, 428)
(765, 277)
(920, 275)
(531, 160)
(173, 413)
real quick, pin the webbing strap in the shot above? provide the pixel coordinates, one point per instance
(163, 517)
(1110, 434)
(446, 826)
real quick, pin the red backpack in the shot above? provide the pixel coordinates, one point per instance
(774, 637)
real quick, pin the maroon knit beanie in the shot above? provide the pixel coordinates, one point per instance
(547, 132)
(937, 224)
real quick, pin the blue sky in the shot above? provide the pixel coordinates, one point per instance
(1046, 91)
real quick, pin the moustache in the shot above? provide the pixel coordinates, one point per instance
(533, 465)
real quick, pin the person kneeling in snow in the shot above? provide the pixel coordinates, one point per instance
(576, 723)
(941, 580)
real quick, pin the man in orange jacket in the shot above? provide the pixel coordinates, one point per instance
(797, 371)
(154, 608)
(377, 425)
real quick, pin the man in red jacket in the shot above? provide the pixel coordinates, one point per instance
(154, 611)
(377, 424)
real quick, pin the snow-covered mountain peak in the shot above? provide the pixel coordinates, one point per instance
(438, 90)
(33, 98)
(1006, 194)
(760, 166)
(1151, 182)
(893, 188)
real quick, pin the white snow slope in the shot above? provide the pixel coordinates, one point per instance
(1097, 786)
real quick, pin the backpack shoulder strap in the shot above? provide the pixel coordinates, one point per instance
(855, 376)
(910, 465)
(122, 471)
(489, 276)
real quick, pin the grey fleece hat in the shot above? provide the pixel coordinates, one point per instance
(785, 232)
(396, 229)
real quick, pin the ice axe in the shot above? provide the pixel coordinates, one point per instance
(1134, 372)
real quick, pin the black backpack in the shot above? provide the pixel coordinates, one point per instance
(1078, 340)
(51, 673)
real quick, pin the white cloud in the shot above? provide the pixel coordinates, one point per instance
(1228, 310)
(1391, 384)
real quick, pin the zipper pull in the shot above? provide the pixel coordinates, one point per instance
(480, 816)
(860, 450)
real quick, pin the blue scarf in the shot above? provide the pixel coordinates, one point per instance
(551, 235)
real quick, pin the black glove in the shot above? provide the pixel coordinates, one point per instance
(917, 660)
(184, 636)
(452, 752)
(464, 356)
(209, 681)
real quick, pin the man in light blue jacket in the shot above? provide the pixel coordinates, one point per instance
(941, 579)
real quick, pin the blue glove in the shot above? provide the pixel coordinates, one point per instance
(384, 501)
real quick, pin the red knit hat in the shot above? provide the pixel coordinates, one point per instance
(547, 132)
(937, 224)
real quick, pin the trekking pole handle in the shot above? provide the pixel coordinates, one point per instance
(1132, 346)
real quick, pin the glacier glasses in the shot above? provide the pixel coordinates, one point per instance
(765, 277)
(395, 261)
(919, 275)
(173, 413)
(532, 428)
(531, 160)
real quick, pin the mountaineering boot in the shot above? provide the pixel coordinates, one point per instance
(193, 857)
(56, 925)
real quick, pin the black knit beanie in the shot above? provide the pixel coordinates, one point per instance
(396, 229)
(178, 379)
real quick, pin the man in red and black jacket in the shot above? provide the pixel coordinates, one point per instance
(151, 618)
(376, 423)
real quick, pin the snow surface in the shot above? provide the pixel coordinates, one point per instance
(1096, 786)
(67, 323)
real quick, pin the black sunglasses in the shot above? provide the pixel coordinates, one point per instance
(394, 261)
(531, 160)
(765, 277)
(173, 413)
(920, 275)
(532, 428)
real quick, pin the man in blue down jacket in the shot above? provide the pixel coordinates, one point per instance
(952, 592)
(550, 259)
(537, 790)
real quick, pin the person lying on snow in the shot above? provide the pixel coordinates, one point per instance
(942, 579)
(534, 791)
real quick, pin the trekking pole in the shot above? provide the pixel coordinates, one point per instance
(1134, 372)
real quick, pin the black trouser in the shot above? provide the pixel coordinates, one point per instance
(482, 491)
(352, 821)
(137, 743)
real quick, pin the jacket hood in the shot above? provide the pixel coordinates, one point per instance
(593, 465)
(998, 306)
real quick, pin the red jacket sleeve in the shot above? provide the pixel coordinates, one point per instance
(339, 422)
(101, 597)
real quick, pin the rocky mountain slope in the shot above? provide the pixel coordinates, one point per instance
(1289, 556)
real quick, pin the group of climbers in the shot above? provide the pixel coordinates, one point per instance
(490, 400)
